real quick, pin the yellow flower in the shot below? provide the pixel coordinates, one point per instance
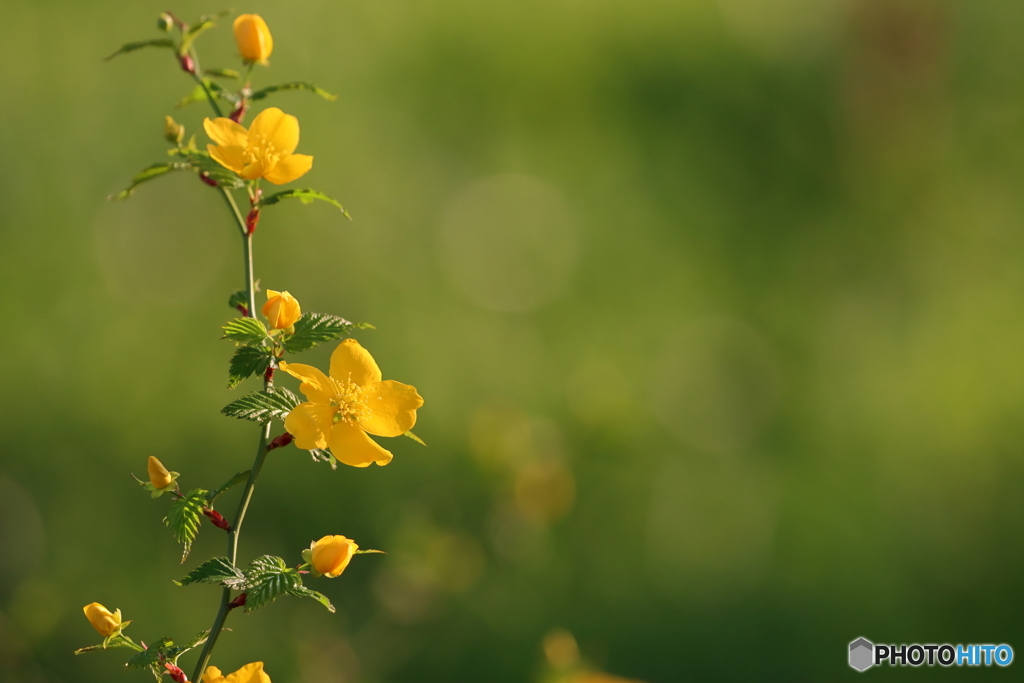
(330, 555)
(262, 151)
(253, 38)
(281, 309)
(107, 623)
(250, 673)
(159, 477)
(342, 408)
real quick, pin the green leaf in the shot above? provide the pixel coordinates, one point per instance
(138, 45)
(184, 517)
(268, 578)
(233, 481)
(261, 406)
(204, 165)
(151, 656)
(154, 171)
(198, 94)
(246, 362)
(239, 298)
(306, 196)
(222, 73)
(174, 652)
(415, 438)
(294, 85)
(303, 592)
(245, 331)
(204, 23)
(218, 570)
(314, 328)
(112, 644)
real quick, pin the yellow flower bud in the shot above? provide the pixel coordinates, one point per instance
(159, 477)
(253, 38)
(331, 554)
(165, 22)
(107, 623)
(173, 131)
(281, 309)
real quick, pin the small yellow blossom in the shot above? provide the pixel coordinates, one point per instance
(250, 673)
(262, 151)
(159, 477)
(281, 310)
(253, 37)
(342, 408)
(330, 555)
(105, 622)
(173, 131)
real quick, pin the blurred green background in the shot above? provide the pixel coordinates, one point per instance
(714, 305)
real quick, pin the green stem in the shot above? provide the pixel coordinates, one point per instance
(197, 70)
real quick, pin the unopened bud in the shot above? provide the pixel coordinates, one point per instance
(165, 22)
(238, 601)
(268, 375)
(177, 674)
(239, 111)
(173, 131)
(251, 220)
(243, 309)
(187, 64)
(217, 519)
(205, 177)
(280, 441)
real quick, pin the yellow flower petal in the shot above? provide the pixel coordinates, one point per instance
(392, 407)
(254, 170)
(212, 675)
(352, 446)
(250, 673)
(331, 554)
(226, 132)
(275, 127)
(352, 362)
(159, 477)
(289, 168)
(253, 37)
(316, 386)
(310, 424)
(231, 157)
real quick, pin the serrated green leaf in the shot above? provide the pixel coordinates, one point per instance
(306, 196)
(112, 644)
(261, 406)
(246, 331)
(314, 328)
(184, 518)
(267, 579)
(415, 438)
(239, 298)
(222, 73)
(174, 652)
(150, 657)
(138, 45)
(303, 592)
(218, 570)
(246, 362)
(294, 85)
(233, 481)
(208, 167)
(149, 173)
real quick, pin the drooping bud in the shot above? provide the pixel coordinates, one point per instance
(173, 131)
(205, 177)
(331, 554)
(177, 675)
(280, 441)
(251, 220)
(282, 310)
(239, 601)
(217, 519)
(253, 37)
(239, 113)
(165, 22)
(187, 64)
(105, 622)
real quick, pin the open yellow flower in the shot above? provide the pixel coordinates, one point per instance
(105, 622)
(250, 673)
(342, 408)
(262, 151)
(253, 37)
(330, 555)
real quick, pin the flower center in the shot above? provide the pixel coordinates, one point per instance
(349, 401)
(263, 150)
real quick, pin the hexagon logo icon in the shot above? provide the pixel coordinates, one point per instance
(862, 654)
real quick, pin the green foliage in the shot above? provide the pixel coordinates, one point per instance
(151, 658)
(306, 196)
(246, 331)
(315, 328)
(149, 173)
(321, 455)
(415, 438)
(205, 23)
(206, 166)
(198, 94)
(184, 517)
(174, 652)
(261, 406)
(233, 481)
(294, 85)
(218, 570)
(239, 298)
(268, 578)
(108, 644)
(303, 592)
(138, 45)
(222, 73)
(247, 362)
